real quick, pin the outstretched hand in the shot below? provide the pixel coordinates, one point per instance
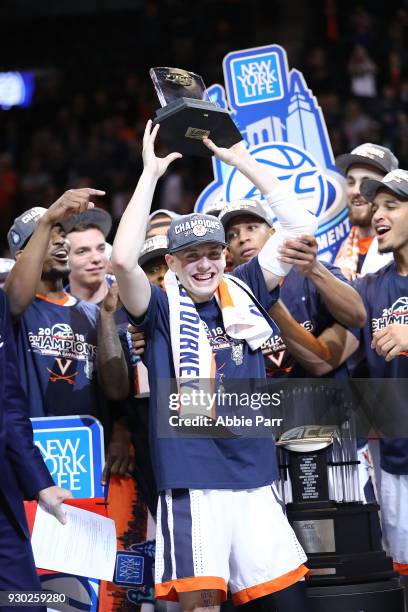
(230, 156)
(156, 165)
(301, 252)
(72, 202)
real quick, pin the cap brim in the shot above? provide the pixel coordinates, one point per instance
(94, 216)
(343, 162)
(227, 218)
(195, 242)
(144, 259)
(163, 211)
(370, 187)
(213, 212)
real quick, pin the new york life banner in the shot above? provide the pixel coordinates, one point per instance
(72, 448)
(284, 128)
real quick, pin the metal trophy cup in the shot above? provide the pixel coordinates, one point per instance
(340, 534)
(187, 114)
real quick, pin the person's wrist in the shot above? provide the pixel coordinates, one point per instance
(106, 312)
(315, 271)
(46, 221)
(244, 161)
(151, 173)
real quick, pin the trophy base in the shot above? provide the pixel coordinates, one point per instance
(342, 543)
(184, 123)
(366, 597)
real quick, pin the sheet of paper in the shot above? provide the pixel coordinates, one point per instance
(85, 546)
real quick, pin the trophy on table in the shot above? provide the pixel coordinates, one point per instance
(188, 115)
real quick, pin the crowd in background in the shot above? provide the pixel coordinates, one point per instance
(94, 95)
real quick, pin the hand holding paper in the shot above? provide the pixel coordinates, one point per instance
(51, 498)
(84, 546)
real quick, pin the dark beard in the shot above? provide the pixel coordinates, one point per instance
(360, 222)
(54, 274)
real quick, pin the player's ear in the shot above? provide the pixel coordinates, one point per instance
(18, 253)
(170, 260)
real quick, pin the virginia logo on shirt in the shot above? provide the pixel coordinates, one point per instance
(63, 366)
(397, 313)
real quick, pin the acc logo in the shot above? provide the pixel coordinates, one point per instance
(62, 330)
(284, 129)
(289, 164)
(399, 306)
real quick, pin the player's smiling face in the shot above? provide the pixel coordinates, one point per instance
(360, 209)
(390, 222)
(56, 262)
(88, 257)
(199, 269)
(246, 235)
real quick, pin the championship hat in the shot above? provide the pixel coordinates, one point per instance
(94, 216)
(214, 208)
(396, 182)
(369, 154)
(244, 207)
(156, 246)
(23, 227)
(156, 223)
(189, 230)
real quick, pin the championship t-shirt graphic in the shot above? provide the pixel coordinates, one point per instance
(57, 351)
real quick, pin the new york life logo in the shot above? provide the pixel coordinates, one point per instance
(284, 128)
(72, 449)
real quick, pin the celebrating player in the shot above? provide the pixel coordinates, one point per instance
(211, 487)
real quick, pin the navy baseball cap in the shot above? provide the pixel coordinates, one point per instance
(244, 207)
(396, 182)
(94, 216)
(368, 154)
(156, 246)
(23, 228)
(189, 230)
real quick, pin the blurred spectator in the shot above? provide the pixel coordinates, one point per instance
(356, 124)
(362, 70)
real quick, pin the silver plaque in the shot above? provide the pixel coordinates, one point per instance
(316, 536)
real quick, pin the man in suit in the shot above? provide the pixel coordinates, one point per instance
(24, 474)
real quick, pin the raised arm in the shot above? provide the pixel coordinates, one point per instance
(134, 287)
(294, 219)
(112, 368)
(22, 282)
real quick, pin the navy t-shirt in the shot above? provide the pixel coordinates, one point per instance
(207, 463)
(306, 305)
(57, 358)
(385, 296)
